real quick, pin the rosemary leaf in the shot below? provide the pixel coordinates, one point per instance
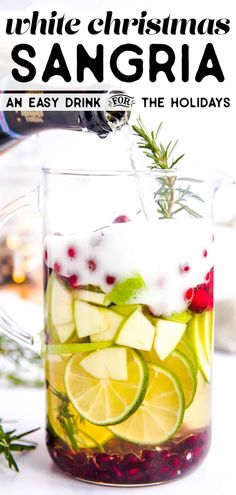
(167, 196)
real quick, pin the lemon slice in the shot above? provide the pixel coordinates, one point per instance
(182, 367)
(106, 401)
(200, 332)
(186, 348)
(87, 435)
(161, 413)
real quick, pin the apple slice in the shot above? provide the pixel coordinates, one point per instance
(168, 335)
(92, 297)
(91, 320)
(65, 331)
(125, 309)
(113, 322)
(107, 364)
(136, 332)
(126, 290)
(183, 317)
(59, 301)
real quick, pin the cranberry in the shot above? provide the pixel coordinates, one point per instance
(73, 281)
(110, 279)
(71, 252)
(121, 219)
(92, 265)
(188, 295)
(204, 253)
(184, 268)
(200, 301)
(57, 267)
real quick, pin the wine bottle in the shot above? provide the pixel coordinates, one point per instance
(16, 125)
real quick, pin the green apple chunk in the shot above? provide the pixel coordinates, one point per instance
(61, 304)
(126, 290)
(182, 317)
(125, 309)
(65, 331)
(92, 297)
(136, 332)
(168, 334)
(107, 364)
(91, 320)
(113, 322)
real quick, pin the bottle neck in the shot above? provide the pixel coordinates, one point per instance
(17, 125)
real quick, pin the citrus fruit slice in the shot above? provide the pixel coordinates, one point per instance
(182, 367)
(186, 348)
(84, 434)
(106, 401)
(160, 414)
(200, 332)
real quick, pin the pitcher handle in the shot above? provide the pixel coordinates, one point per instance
(7, 324)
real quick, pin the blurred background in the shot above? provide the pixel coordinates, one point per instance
(206, 136)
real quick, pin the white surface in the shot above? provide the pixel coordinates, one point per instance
(38, 475)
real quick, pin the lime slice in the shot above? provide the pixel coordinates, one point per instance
(200, 332)
(87, 435)
(76, 348)
(106, 401)
(186, 348)
(182, 367)
(126, 290)
(161, 413)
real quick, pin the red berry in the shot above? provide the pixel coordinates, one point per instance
(73, 281)
(110, 280)
(200, 301)
(184, 268)
(71, 251)
(92, 265)
(188, 295)
(45, 255)
(121, 219)
(56, 267)
(205, 253)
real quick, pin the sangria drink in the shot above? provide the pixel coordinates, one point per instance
(129, 317)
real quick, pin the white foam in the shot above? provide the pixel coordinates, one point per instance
(156, 251)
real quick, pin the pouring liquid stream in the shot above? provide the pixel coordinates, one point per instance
(145, 193)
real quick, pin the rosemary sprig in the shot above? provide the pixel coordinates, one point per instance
(170, 199)
(11, 442)
(70, 423)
